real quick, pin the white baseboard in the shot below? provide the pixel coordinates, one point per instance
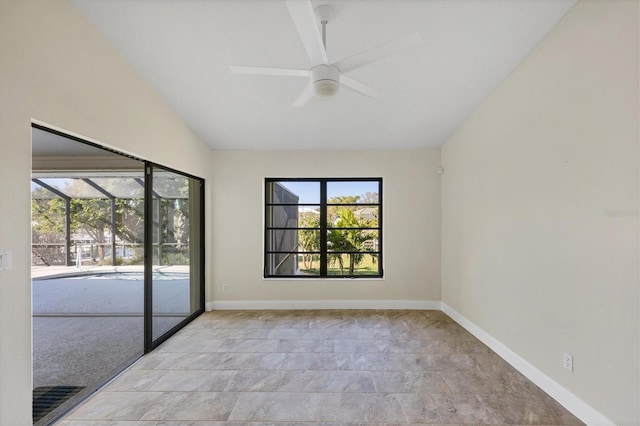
(571, 402)
(322, 304)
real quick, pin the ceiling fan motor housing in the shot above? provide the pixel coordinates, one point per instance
(325, 80)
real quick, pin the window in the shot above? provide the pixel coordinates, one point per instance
(323, 227)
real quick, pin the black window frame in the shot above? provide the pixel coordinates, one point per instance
(323, 228)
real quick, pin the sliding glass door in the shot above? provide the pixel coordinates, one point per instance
(117, 264)
(175, 272)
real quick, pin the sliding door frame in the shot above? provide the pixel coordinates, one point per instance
(149, 344)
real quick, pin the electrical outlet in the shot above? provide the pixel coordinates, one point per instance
(6, 262)
(567, 361)
(225, 287)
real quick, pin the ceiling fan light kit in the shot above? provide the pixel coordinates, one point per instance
(326, 78)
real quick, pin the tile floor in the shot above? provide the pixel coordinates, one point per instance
(320, 367)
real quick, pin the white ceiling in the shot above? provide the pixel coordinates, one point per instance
(184, 48)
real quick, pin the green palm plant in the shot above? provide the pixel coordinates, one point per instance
(353, 241)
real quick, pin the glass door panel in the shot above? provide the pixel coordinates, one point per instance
(176, 268)
(87, 271)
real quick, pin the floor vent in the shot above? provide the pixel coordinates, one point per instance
(48, 398)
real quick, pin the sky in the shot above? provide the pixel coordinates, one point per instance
(309, 192)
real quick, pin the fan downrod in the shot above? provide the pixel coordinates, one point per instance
(324, 14)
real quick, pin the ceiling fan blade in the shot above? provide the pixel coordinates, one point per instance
(305, 20)
(304, 97)
(379, 52)
(241, 69)
(361, 88)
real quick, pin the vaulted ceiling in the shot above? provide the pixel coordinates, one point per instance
(183, 49)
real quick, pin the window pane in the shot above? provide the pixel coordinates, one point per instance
(121, 187)
(292, 192)
(293, 216)
(177, 242)
(309, 216)
(352, 217)
(282, 216)
(73, 188)
(48, 245)
(170, 185)
(351, 192)
(288, 240)
(354, 264)
(293, 264)
(40, 193)
(352, 240)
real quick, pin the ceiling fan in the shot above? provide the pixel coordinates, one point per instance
(325, 78)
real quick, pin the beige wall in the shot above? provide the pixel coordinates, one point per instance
(56, 69)
(540, 209)
(411, 228)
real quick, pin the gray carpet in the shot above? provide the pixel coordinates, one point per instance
(85, 328)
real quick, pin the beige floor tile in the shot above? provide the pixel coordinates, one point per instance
(304, 345)
(149, 361)
(416, 382)
(339, 382)
(188, 423)
(253, 361)
(526, 410)
(421, 346)
(317, 361)
(448, 362)
(262, 381)
(192, 381)
(192, 361)
(386, 362)
(454, 408)
(314, 381)
(295, 333)
(115, 406)
(192, 406)
(355, 333)
(135, 381)
(363, 346)
(106, 423)
(249, 345)
(475, 382)
(277, 407)
(190, 345)
(367, 408)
